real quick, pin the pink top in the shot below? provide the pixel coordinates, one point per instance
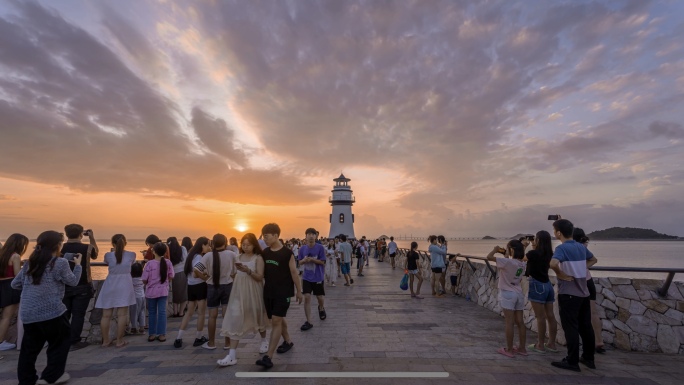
(155, 288)
(510, 273)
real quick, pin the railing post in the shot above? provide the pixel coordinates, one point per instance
(472, 267)
(491, 270)
(663, 290)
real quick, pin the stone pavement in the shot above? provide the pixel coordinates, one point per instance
(371, 327)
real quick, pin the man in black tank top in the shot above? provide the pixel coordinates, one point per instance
(280, 275)
(77, 298)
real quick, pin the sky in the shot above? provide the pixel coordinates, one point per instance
(449, 117)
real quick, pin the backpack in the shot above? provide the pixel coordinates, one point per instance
(358, 253)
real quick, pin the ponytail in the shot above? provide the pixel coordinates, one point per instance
(119, 242)
(219, 242)
(160, 250)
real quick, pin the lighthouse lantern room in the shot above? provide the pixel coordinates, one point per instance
(342, 219)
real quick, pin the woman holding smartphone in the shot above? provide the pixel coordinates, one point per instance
(246, 312)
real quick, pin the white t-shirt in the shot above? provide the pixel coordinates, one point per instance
(177, 268)
(191, 278)
(227, 259)
(392, 247)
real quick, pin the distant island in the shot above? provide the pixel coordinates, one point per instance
(628, 233)
(487, 237)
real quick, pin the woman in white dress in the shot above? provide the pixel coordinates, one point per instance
(330, 263)
(246, 313)
(117, 291)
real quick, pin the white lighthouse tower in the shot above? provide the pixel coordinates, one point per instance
(342, 219)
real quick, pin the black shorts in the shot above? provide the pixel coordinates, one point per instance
(436, 269)
(197, 292)
(453, 279)
(392, 255)
(313, 287)
(8, 296)
(218, 295)
(276, 306)
(592, 289)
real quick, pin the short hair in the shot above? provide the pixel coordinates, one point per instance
(518, 249)
(152, 240)
(136, 270)
(565, 227)
(391, 238)
(73, 231)
(343, 238)
(311, 230)
(271, 228)
(432, 238)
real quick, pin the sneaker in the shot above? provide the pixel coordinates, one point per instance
(361, 275)
(564, 364)
(600, 350)
(265, 361)
(7, 346)
(200, 341)
(178, 343)
(206, 346)
(285, 347)
(61, 380)
(78, 346)
(346, 284)
(332, 284)
(587, 363)
(306, 326)
(227, 361)
(264, 347)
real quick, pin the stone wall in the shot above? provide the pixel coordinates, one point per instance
(633, 316)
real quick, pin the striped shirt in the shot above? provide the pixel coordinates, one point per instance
(573, 257)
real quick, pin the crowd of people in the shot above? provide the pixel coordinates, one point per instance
(251, 283)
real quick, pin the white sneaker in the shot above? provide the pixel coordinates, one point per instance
(264, 347)
(227, 361)
(206, 346)
(61, 380)
(7, 346)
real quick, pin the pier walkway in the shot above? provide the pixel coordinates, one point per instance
(371, 327)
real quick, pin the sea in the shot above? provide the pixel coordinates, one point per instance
(637, 254)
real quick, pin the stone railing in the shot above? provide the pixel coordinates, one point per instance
(633, 315)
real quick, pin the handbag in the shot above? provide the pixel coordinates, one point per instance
(404, 282)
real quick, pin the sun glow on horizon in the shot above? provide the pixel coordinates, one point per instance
(241, 228)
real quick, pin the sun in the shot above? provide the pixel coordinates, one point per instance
(241, 228)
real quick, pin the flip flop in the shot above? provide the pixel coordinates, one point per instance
(161, 338)
(122, 345)
(534, 348)
(321, 314)
(151, 338)
(516, 351)
(549, 349)
(505, 352)
(106, 345)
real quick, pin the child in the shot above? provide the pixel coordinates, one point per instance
(452, 272)
(510, 272)
(411, 264)
(156, 276)
(137, 311)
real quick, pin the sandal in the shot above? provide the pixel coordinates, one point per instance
(505, 352)
(534, 348)
(321, 314)
(516, 351)
(151, 338)
(549, 349)
(161, 338)
(122, 345)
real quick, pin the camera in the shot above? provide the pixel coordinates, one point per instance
(86, 233)
(554, 217)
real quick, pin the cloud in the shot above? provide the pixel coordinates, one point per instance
(5, 198)
(670, 130)
(69, 98)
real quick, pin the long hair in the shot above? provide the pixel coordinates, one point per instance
(544, 245)
(218, 242)
(16, 244)
(414, 245)
(119, 242)
(159, 249)
(194, 250)
(175, 250)
(48, 243)
(252, 239)
(187, 243)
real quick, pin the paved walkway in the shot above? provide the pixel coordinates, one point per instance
(371, 327)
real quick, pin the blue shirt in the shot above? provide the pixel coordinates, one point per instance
(313, 272)
(573, 257)
(437, 256)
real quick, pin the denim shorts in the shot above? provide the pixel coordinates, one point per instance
(511, 300)
(540, 292)
(414, 272)
(345, 267)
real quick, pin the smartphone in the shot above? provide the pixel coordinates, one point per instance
(530, 237)
(502, 250)
(69, 256)
(238, 263)
(553, 217)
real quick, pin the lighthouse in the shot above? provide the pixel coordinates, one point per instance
(342, 219)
